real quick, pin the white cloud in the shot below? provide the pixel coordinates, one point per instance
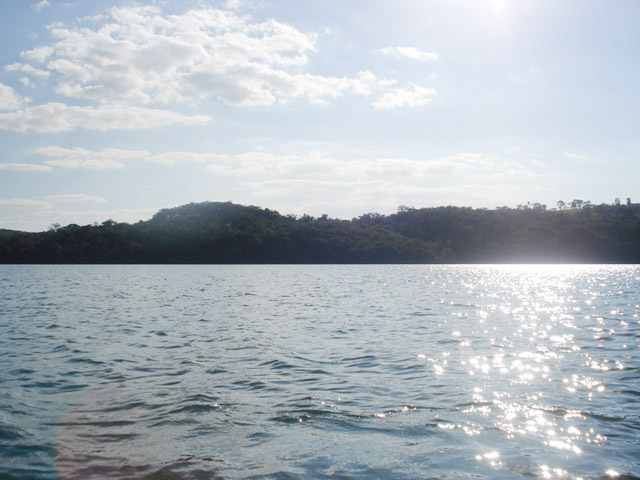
(24, 202)
(138, 55)
(49, 201)
(133, 59)
(38, 54)
(479, 165)
(37, 7)
(28, 69)
(172, 158)
(25, 167)
(235, 4)
(112, 158)
(243, 164)
(58, 117)
(9, 99)
(74, 163)
(400, 97)
(74, 198)
(311, 190)
(410, 52)
(83, 153)
(320, 166)
(82, 158)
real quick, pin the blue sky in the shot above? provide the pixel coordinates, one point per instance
(115, 109)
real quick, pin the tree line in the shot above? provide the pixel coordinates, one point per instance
(215, 232)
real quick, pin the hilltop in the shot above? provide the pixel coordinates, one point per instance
(215, 232)
(5, 232)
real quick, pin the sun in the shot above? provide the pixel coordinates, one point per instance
(498, 6)
(497, 10)
(498, 16)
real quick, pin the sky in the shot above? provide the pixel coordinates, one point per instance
(116, 109)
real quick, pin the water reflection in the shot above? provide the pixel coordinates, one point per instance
(318, 372)
(539, 328)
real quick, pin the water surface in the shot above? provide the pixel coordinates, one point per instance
(296, 372)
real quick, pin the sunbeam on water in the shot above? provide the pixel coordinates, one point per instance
(240, 372)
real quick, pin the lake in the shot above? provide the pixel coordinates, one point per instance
(303, 372)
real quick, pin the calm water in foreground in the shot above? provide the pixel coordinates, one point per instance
(296, 372)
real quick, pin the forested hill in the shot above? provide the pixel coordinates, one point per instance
(214, 232)
(5, 232)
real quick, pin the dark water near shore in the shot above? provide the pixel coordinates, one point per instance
(296, 372)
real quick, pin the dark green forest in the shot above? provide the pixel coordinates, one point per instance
(214, 232)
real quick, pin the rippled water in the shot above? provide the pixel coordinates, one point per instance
(292, 372)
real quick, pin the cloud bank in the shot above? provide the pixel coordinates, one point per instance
(137, 67)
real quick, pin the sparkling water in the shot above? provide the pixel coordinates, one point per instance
(303, 372)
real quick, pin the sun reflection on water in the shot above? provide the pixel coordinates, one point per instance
(458, 371)
(543, 325)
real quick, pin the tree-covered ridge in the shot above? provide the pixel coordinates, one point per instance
(4, 232)
(213, 232)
